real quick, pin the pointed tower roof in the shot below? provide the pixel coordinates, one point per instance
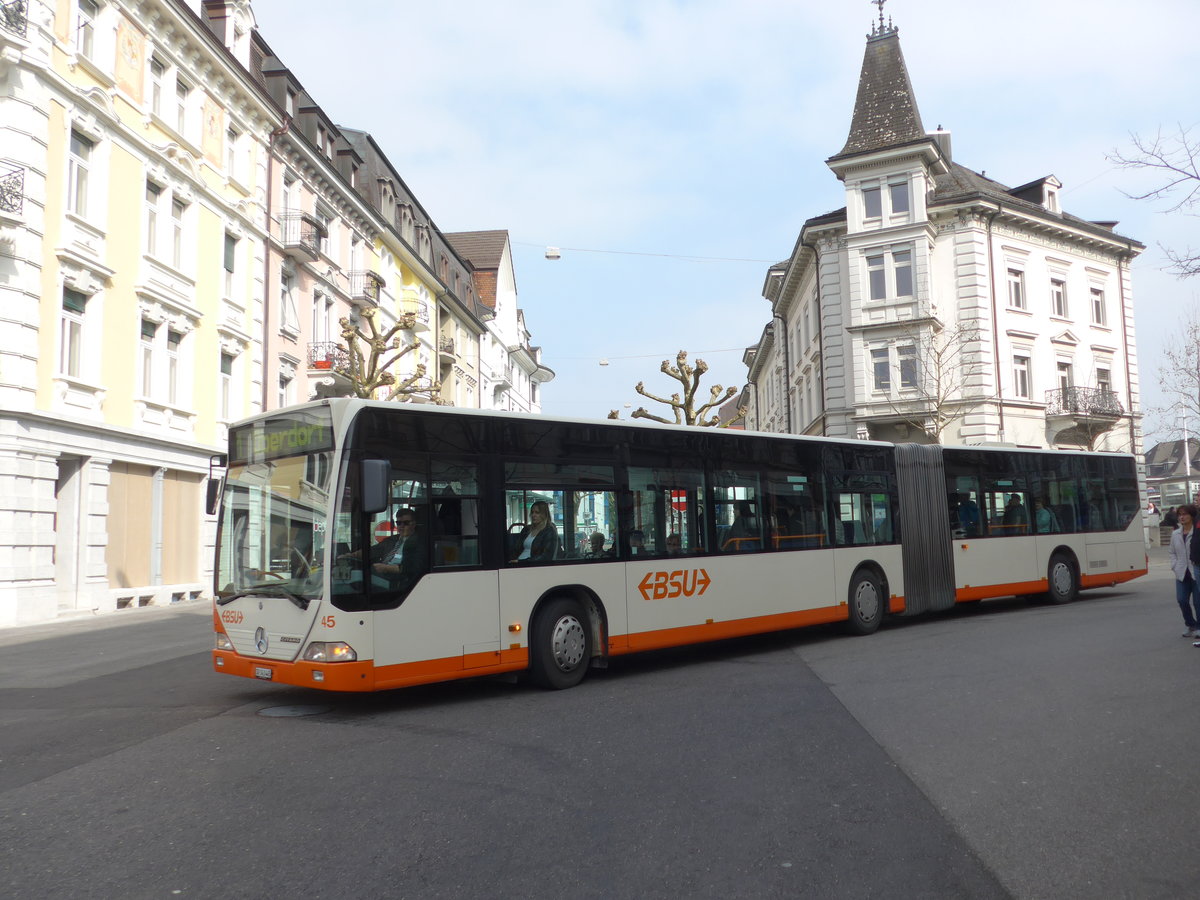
(885, 112)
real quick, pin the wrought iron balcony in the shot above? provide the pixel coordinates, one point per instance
(14, 17)
(12, 189)
(301, 232)
(366, 287)
(446, 354)
(1083, 402)
(328, 356)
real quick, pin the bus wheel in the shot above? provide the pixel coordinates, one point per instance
(560, 645)
(866, 602)
(1062, 580)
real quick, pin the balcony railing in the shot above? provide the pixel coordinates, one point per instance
(366, 286)
(301, 231)
(328, 356)
(14, 17)
(1087, 402)
(12, 189)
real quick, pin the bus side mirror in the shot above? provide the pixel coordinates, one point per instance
(376, 481)
(213, 493)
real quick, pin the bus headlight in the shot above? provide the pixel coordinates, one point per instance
(330, 652)
(223, 641)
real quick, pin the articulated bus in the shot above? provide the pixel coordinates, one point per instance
(366, 545)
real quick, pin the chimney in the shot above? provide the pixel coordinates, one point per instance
(942, 138)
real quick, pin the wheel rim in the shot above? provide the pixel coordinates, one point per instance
(1060, 578)
(568, 643)
(866, 600)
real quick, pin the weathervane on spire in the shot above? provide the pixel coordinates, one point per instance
(881, 28)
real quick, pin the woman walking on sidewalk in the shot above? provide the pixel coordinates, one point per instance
(1187, 592)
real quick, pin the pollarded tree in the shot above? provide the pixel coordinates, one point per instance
(371, 371)
(684, 405)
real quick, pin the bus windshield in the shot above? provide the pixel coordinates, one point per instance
(275, 509)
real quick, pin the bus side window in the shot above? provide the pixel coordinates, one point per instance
(666, 508)
(454, 523)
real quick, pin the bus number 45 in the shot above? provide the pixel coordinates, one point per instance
(328, 621)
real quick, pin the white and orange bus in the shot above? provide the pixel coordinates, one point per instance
(366, 545)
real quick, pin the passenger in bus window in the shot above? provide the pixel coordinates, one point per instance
(537, 541)
(674, 545)
(1016, 520)
(743, 532)
(637, 543)
(1044, 519)
(968, 515)
(596, 547)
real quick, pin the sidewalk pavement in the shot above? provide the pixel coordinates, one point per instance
(96, 621)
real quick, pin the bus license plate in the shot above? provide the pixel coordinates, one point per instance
(263, 672)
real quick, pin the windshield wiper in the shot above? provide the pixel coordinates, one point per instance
(266, 590)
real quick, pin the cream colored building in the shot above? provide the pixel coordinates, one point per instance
(130, 285)
(182, 230)
(941, 305)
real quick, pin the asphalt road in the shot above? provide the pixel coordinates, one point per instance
(1025, 751)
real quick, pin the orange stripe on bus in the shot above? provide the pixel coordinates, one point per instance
(1089, 581)
(716, 631)
(986, 591)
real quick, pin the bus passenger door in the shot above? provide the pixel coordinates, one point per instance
(999, 557)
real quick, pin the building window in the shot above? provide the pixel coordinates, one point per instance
(872, 203)
(881, 369)
(1104, 380)
(158, 71)
(178, 210)
(898, 195)
(70, 347)
(230, 264)
(289, 106)
(289, 316)
(326, 220)
(1066, 376)
(77, 174)
(285, 390)
(1021, 376)
(226, 386)
(902, 265)
(149, 330)
(1058, 297)
(1099, 313)
(877, 277)
(1016, 289)
(232, 140)
(907, 356)
(183, 93)
(153, 198)
(174, 339)
(85, 28)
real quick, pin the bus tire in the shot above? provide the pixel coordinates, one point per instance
(560, 644)
(866, 602)
(1062, 579)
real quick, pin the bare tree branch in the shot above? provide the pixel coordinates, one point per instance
(1175, 159)
(945, 372)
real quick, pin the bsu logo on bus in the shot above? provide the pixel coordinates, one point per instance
(668, 585)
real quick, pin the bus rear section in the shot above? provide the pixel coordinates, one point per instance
(1020, 522)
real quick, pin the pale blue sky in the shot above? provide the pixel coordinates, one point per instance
(699, 128)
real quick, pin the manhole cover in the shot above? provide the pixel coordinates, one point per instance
(281, 711)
